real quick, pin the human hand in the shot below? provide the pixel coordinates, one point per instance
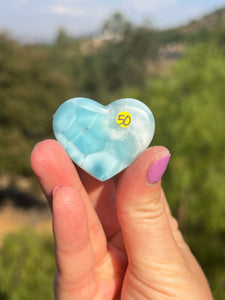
(116, 240)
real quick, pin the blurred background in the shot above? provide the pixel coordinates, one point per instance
(170, 54)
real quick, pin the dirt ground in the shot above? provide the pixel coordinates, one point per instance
(22, 206)
(13, 219)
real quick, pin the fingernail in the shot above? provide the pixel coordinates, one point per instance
(55, 189)
(157, 169)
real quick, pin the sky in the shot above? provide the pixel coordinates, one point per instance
(39, 20)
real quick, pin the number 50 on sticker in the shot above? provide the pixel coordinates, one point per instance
(123, 119)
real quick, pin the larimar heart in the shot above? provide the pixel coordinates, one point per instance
(103, 140)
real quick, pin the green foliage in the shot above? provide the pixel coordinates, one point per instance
(27, 267)
(29, 94)
(193, 120)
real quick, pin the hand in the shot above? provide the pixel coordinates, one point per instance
(116, 240)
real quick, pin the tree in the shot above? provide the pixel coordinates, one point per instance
(126, 54)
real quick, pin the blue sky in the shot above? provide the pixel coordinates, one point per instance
(38, 20)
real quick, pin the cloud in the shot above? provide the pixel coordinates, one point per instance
(23, 1)
(68, 1)
(66, 10)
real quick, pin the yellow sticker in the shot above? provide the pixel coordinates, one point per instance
(123, 119)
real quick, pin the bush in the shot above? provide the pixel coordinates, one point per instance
(27, 267)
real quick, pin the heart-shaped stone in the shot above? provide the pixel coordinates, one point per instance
(103, 140)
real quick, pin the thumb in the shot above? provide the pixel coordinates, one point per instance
(147, 235)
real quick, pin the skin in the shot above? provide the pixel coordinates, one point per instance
(115, 239)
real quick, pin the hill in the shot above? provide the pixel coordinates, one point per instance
(197, 30)
(208, 22)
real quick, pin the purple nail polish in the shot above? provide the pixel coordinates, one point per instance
(56, 188)
(157, 169)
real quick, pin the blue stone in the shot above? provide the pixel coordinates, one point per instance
(103, 140)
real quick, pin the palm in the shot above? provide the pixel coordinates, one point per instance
(109, 251)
